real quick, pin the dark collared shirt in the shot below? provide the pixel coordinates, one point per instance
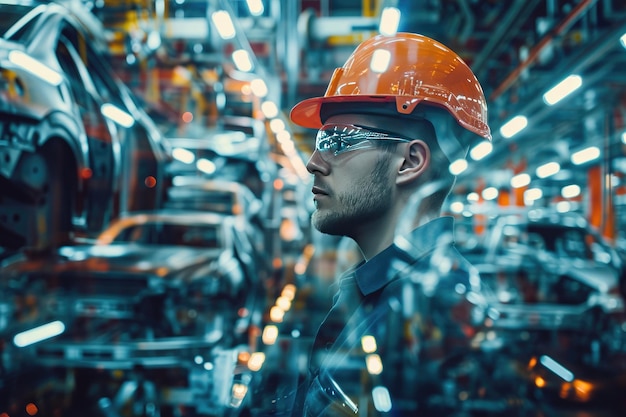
(392, 318)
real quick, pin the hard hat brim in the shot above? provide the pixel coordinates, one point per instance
(307, 112)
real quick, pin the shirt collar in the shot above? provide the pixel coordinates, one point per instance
(376, 272)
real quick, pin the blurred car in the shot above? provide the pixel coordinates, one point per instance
(221, 155)
(222, 197)
(152, 296)
(552, 285)
(190, 228)
(551, 267)
(76, 148)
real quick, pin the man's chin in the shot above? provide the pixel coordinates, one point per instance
(326, 225)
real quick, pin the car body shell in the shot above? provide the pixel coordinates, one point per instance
(57, 135)
(129, 305)
(552, 285)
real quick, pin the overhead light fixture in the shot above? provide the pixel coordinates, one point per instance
(557, 368)
(624, 137)
(585, 155)
(277, 125)
(490, 193)
(513, 126)
(270, 334)
(116, 114)
(563, 206)
(258, 87)
(39, 333)
(473, 197)
(622, 40)
(562, 89)
(242, 60)
(183, 155)
(255, 7)
(224, 24)
(520, 180)
(35, 67)
(548, 169)
(389, 21)
(481, 150)
(206, 166)
(381, 399)
(532, 194)
(570, 191)
(374, 364)
(458, 166)
(154, 40)
(457, 207)
(269, 109)
(283, 136)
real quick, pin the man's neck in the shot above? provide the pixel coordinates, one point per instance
(375, 238)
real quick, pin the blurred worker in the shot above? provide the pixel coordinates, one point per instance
(393, 118)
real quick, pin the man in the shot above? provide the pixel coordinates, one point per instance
(392, 119)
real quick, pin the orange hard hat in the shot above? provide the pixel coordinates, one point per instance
(419, 75)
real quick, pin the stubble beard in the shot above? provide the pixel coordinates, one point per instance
(369, 199)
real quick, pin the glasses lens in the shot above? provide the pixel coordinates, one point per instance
(337, 139)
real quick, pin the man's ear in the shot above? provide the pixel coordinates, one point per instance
(416, 161)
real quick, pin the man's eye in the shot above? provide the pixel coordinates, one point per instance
(334, 144)
(340, 145)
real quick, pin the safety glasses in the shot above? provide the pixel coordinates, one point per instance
(335, 139)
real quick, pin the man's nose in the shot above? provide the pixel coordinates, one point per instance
(317, 164)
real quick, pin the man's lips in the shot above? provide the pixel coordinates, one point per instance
(318, 191)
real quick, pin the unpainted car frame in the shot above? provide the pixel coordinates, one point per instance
(125, 305)
(76, 148)
(555, 302)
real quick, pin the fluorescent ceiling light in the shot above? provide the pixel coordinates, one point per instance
(269, 109)
(35, 67)
(116, 114)
(270, 334)
(224, 24)
(374, 364)
(389, 21)
(514, 126)
(563, 206)
(183, 155)
(154, 40)
(381, 399)
(585, 155)
(258, 87)
(242, 60)
(39, 333)
(255, 7)
(520, 180)
(283, 137)
(570, 191)
(206, 166)
(481, 150)
(557, 368)
(457, 207)
(532, 194)
(277, 125)
(457, 166)
(562, 89)
(548, 169)
(490, 193)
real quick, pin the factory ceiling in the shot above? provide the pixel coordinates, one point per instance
(518, 49)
